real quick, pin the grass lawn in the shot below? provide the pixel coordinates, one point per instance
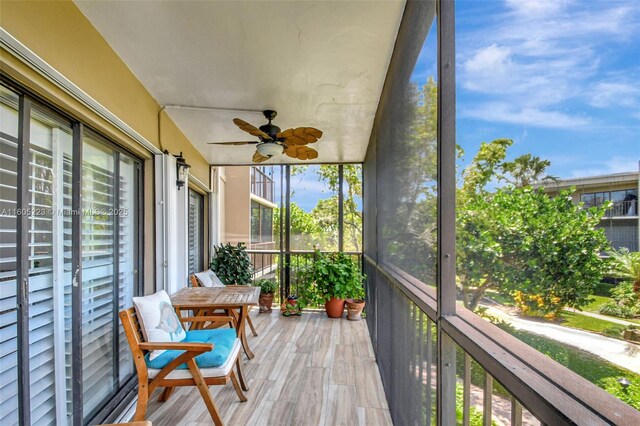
(596, 304)
(596, 370)
(583, 322)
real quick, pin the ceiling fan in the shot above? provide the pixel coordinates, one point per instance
(272, 141)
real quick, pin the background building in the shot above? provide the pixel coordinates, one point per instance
(621, 221)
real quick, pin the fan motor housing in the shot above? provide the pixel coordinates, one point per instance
(270, 129)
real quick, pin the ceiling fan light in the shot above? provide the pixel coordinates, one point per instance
(269, 149)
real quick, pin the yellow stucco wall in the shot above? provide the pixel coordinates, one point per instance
(60, 34)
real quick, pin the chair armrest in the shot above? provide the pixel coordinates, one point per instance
(177, 346)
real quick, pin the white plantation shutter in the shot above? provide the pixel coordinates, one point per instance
(49, 269)
(98, 273)
(8, 301)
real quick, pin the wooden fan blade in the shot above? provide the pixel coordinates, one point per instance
(259, 158)
(252, 130)
(301, 152)
(300, 135)
(233, 143)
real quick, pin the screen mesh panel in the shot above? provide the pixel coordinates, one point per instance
(400, 204)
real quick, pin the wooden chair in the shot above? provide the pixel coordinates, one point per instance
(196, 283)
(168, 377)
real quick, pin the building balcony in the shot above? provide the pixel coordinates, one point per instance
(620, 210)
(262, 184)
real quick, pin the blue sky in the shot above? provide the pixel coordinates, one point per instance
(560, 78)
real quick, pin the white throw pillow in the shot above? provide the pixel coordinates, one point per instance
(158, 320)
(208, 278)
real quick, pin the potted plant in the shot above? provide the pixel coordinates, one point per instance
(232, 264)
(267, 288)
(355, 308)
(337, 277)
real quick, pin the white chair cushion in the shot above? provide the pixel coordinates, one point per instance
(158, 320)
(208, 278)
(221, 371)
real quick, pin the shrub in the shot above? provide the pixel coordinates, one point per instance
(614, 331)
(232, 264)
(623, 294)
(535, 305)
(616, 310)
(266, 286)
(627, 302)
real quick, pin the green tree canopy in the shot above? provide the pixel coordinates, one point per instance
(303, 225)
(519, 239)
(325, 213)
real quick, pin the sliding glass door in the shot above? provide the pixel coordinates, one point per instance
(39, 250)
(8, 255)
(98, 273)
(49, 265)
(109, 266)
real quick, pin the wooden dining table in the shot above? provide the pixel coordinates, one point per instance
(230, 298)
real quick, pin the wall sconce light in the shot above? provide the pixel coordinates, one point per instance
(182, 169)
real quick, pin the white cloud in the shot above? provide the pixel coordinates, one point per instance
(506, 113)
(541, 54)
(492, 58)
(536, 7)
(496, 71)
(609, 93)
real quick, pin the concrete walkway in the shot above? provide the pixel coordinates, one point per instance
(619, 352)
(602, 317)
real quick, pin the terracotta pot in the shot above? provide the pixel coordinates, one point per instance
(354, 309)
(265, 302)
(334, 307)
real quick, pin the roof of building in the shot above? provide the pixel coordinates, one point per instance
(592, 181)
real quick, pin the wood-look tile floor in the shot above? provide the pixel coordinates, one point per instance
(308, 370)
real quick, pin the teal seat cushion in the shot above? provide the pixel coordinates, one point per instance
(222, 338)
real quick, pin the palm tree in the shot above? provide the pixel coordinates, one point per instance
(525, 170)
(626, 265)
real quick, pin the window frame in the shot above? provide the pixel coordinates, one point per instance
(260, 237)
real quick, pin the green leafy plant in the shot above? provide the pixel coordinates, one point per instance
(615, 310)
(232, 264)
(266, 286)
(518, 239)
(626, 265)
(337, 275)
(475, 415)
(626, 302)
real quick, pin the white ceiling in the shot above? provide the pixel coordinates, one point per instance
(318, 63)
